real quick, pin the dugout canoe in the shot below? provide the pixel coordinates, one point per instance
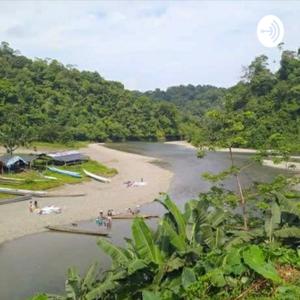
(76, 230)
(65, 172)
(130, 216)
(96, 177)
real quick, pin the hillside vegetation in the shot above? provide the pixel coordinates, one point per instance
(50, 102)
(194, 100)
(45, 101)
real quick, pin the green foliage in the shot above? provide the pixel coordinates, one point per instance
(193, 100)
(46, 101)
(261, 111)
(254, 258)
(191, 255)
(34, 180)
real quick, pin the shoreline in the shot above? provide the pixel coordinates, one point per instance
(16, 220)
(288, 166)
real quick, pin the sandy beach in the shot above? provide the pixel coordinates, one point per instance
(234, 150)
(17, 221)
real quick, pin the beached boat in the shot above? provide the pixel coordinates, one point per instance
(20, 180)
(131, 216)
(49, 177)
(65, 172)
(96, 177)
(2, 178)
(22, 192)
(68, 229)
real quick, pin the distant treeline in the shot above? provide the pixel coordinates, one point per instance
(53, 102)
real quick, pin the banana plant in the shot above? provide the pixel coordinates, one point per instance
(76, 288)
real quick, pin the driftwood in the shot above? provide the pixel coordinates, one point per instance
(68, 229)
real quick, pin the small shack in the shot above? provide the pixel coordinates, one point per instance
(67, 157)
(12, 163)
(16, 163)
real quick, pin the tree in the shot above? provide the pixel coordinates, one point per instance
(13, 132)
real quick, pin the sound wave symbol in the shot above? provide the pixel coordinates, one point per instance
(273, 31)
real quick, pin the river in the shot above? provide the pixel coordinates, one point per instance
(38, 262)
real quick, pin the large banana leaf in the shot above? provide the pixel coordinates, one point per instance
(144, 242)
(287, 205)
(176, 214)
(73, 285)
(254, 258)
(91, 276)
(289, 232)
(272, 219)
(175, 239)
(116, 253)
(217, 217)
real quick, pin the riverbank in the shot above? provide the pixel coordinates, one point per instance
(17, 221)
(190, 146)
(289, 166)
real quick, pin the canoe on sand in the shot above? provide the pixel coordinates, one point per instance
(64, 172)
(68, 229)
(22, 192)
(96, 177)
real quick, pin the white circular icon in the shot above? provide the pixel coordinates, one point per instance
(270, 31)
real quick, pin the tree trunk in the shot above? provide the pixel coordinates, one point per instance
(241, 194)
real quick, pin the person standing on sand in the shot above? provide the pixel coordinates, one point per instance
(30, 206)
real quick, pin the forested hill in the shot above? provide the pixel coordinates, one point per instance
(262, 110)
(49, 101)
(189, 98)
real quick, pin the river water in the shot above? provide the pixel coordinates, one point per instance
(38, 262)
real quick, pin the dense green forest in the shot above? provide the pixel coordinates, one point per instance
(194, 100)
(48, 101)
(262, 110)
(44, 100)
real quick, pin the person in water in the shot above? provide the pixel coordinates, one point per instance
(110, 213)
(130, 211)
(109, 222)
(137, 210)
(101, 219)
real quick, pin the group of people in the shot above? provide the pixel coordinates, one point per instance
(33, 207)
(103, 220)
(106, 220)
(134, 211)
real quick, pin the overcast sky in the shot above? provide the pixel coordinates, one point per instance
(148, 44)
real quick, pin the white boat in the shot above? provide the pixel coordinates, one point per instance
(22, 192)
(65, 172)
(96, 177)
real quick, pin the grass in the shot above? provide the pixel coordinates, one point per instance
(59, 146)
(31, 176)
(6, 196)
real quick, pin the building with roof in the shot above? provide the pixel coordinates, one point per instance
(67, 157)
(16, 162)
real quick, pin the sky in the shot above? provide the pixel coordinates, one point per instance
(149, 44)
